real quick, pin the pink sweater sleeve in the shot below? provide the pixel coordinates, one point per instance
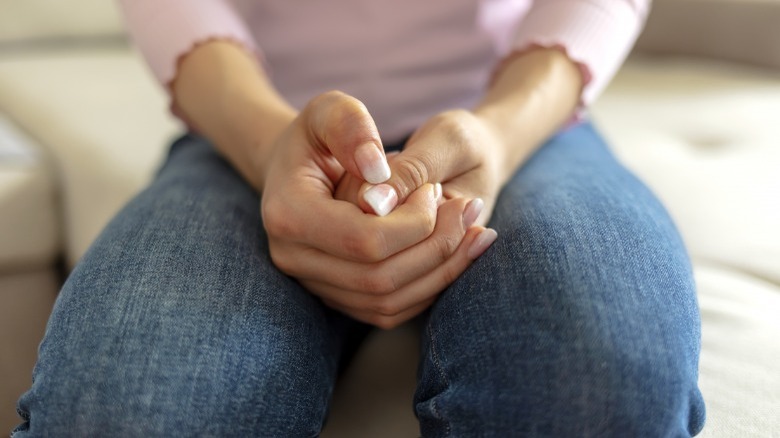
(596, 34)
(165, 30)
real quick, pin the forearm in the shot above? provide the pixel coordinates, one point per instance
(223, 92)
(532, 96)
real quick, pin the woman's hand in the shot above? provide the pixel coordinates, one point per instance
(381, 270)
(297, 160)
(474, 153)
(455, 147)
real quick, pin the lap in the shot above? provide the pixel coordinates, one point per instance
(176, 316)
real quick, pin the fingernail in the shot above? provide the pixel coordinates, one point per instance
(372, 163)
(382, 199)
(437, 192)
(472, 211)
(481, 243)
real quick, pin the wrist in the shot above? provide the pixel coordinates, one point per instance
(532, 95)
(250, 129)
(503, 152)
(225, 95)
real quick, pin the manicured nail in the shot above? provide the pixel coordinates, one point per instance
(481, 243)
(472, 211)
(372, 163)
(437, 192)
(382, 199)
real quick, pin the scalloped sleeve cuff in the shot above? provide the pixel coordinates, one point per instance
(166, 30)
(596, 34)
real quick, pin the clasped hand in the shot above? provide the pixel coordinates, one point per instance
(376, 238)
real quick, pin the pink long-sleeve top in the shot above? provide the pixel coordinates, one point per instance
(405, 59)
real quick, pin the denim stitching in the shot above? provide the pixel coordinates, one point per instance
(22, 413)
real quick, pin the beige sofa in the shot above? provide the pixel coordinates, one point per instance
(82, 128)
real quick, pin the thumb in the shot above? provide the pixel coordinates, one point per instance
(448, 145)
(340, 125)
(411, 169)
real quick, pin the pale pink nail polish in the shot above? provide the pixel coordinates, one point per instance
(382, 199)
(437, 192)
(472, 211)
(373, 165)
(481, 243)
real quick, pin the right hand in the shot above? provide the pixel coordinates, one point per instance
(382, 270)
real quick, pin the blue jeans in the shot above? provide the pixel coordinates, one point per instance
(581, 320)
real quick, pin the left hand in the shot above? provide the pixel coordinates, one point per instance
(456, 148)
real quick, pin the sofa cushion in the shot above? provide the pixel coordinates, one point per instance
(736, 30)
(29, 235)
(25, 20)
(704, 136)
(740, 352)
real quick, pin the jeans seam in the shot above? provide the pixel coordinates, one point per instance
(440, 370)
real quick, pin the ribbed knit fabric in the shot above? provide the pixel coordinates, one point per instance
(597, 34)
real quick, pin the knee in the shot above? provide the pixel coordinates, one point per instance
(592, 384)
(631, 382)
(281, 391)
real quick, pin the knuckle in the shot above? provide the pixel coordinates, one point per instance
(326, 99)
(445, 247)
(276, 220)
(354, 246)
(332, 109)
(385, 307)
(454, 121)
(344, 109)
(341, 119)
(281, 259)
(459, 128)
(350, 108)
(334, 94)
(386, 323)
(379, 310)
(428, 221)
(376, 284)
(413, 172)
(366, 245)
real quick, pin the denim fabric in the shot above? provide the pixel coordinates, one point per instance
(581, 320)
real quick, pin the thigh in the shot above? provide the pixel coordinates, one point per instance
(580, 320)
(176, 323)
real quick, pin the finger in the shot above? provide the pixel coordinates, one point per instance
(409, 296)
(342, 125)
(414, 293)
(341, 229)
(453, 219)
(351, 188)
(348, 189)
(378, 320)
(442, 149)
